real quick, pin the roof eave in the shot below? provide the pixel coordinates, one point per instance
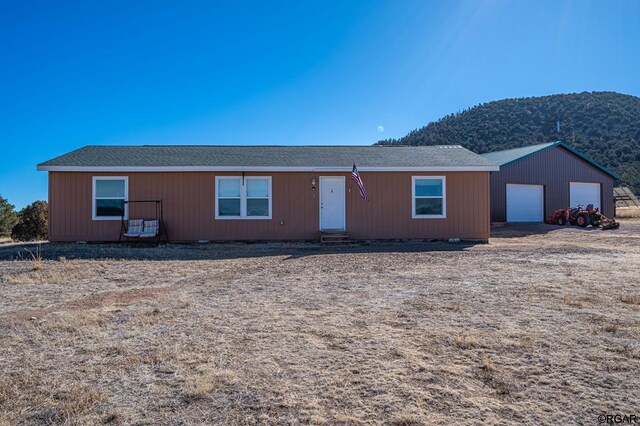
(142, 169)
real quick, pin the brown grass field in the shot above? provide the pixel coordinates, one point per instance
(627, 212)
(535, 328)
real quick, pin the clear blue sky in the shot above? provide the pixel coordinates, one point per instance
(300, 72)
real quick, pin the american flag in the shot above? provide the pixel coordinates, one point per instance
(358, 180)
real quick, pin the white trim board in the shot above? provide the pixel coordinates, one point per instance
(263, 169)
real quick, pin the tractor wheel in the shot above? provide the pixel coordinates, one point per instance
(583, 220)
(562, 221)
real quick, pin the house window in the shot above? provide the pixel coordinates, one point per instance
(429, 197)
(109, 194)
(240, 197)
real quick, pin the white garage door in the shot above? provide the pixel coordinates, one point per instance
(525, 203)
(584, 194)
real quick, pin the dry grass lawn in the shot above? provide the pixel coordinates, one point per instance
(626, 212)
(539, 328)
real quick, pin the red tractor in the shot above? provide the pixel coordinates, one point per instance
(582, 217)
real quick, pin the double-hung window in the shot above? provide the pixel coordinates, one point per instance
(109, 194)
(240, 197)
(429, 197)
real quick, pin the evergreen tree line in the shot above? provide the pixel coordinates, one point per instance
(605, 126)
(28, 224)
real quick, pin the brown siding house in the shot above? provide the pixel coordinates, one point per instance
(536, 180)
(271, 193)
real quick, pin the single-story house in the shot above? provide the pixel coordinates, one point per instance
(534, 181)
(271, 192)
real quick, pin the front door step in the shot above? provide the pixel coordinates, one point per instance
(334, 237)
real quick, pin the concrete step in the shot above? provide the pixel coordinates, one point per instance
(334, 237)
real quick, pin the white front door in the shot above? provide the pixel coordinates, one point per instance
(525, 203)
(583, 193)
(332, 203)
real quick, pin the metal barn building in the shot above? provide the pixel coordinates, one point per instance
(533, 181)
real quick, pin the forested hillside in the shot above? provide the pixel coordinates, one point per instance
(603, 125)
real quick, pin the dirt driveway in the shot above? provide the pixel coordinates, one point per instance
(535, 328)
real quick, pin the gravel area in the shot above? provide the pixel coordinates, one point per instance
(540, 326)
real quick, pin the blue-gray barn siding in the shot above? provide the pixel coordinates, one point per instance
(554, 168)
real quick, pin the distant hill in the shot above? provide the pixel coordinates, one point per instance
(603, 125)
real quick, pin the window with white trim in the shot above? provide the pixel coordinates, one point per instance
(109, 194)
(247, 197)
(429, 197)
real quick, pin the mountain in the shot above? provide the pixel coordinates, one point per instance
(603, 125)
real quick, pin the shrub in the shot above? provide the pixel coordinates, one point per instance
(8, 216)
(32, 223)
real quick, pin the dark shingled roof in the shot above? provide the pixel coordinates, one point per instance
(268, 156)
